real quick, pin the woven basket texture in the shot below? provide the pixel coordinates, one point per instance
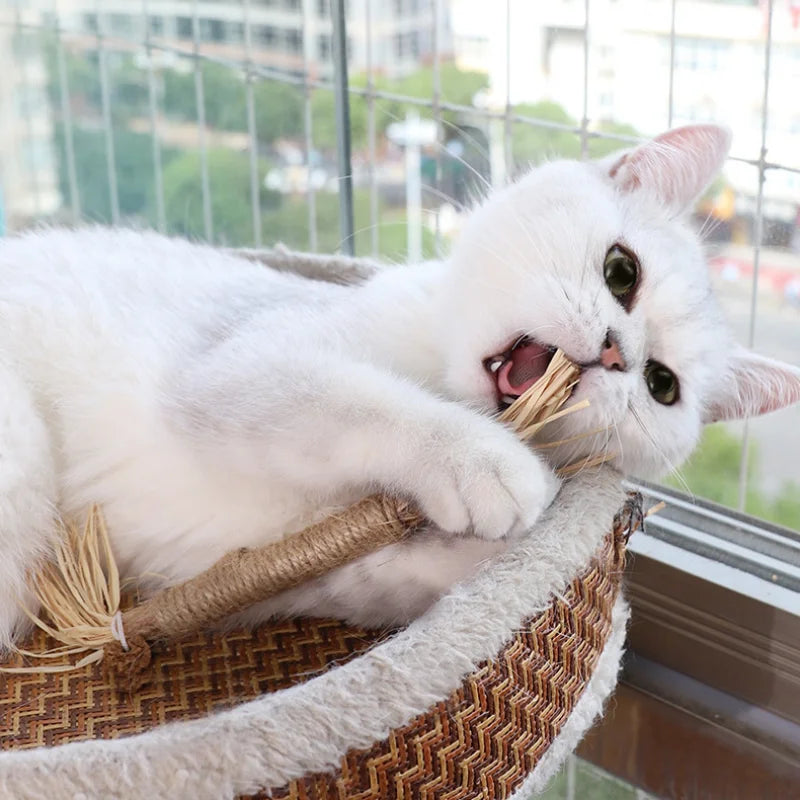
(481, 742)
(197, 676)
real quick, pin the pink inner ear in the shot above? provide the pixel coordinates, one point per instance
(676, 166)
(632, 181)
(758, 386)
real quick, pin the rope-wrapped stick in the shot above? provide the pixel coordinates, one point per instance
(80, 591)
(246, 576)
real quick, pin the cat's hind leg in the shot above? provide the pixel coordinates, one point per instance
(27, 500)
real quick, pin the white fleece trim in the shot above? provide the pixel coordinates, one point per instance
(587, 709)
(309, 727)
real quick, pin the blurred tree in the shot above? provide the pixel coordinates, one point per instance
(82, 73)
(128, 84)
(603, 147)
(457, 86)
(288, 223)
(785, 508)
(532, 144)
(229, 177)
(224, 95)
(279, 110)
(130, 94)
(713, 472)
(278, 105)
(134, 171)
(323, 120)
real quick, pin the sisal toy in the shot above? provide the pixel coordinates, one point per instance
(80, 591)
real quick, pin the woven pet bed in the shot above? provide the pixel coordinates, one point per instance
(482, 697)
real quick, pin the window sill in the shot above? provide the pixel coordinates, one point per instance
(709, 698)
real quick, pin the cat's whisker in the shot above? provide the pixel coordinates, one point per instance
(515, 267)
(619, 441)
(447, 152)
(397, 261)
(671, 467)
(708, 225)
(432, 190)
(479, 147)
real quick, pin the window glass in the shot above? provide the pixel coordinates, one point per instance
(501, 92)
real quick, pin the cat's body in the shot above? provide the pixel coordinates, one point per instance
(208, 403)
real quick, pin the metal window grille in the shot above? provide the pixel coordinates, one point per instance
(23, 20)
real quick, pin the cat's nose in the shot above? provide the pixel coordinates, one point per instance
(611, 356)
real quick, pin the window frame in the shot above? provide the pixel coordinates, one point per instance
(708, 702)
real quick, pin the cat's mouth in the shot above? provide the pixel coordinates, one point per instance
(516, 369)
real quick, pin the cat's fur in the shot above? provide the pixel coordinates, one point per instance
(208, 403)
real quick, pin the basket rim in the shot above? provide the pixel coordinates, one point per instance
(309, 727)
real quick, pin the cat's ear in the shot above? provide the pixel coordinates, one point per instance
(675, 167)
(754, 385)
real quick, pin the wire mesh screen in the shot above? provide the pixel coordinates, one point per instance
(226, 121)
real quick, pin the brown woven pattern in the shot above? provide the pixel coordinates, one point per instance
(200, 675)
(478, 744)
(488, 735)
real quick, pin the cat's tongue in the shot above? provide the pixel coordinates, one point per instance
(527, 364)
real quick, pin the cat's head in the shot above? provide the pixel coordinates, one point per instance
(598, 259)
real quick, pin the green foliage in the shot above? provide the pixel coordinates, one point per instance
(133, 153)
(392, 234)
(785, 508)
(713, 473)
(603, 147)
(457, 86)
(713, 470)
(279, 110)
(224, 95)
(283, 219)
(83, 78)
(532, 144)
(288, 223)
(323, 121)
(229, 179)
(278, 106)
(130, 93)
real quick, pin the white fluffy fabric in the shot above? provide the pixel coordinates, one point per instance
(309, 727)
(328, 268)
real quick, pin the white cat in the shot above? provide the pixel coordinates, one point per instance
(209, 403)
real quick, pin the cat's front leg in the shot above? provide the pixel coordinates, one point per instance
(324, 424)
(470, 473)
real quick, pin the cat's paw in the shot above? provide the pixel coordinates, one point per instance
(481, 479)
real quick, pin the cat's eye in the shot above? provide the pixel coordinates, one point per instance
(662, 383)
(621, 272)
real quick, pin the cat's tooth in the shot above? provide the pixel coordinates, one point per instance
(507, 398)
(496, 364)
